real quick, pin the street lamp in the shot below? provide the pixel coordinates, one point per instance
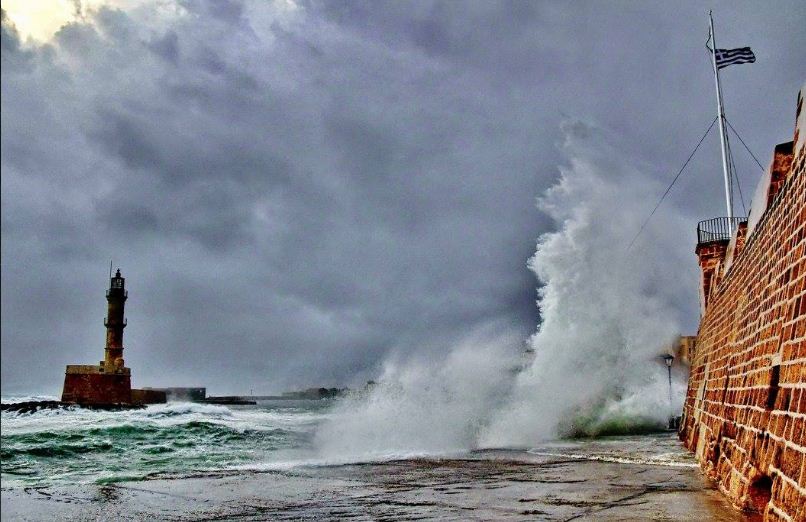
(669, 359)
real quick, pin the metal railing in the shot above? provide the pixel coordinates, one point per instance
(717, 229)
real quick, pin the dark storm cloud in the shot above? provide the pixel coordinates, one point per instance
(296, 192)
(166, 46)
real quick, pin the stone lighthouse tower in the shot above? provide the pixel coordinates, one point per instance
(115, 322)
(110, 381)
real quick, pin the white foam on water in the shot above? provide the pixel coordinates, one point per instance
(347, 460)
(164, 415)
(666, 460)
(184, 408)
(14, 399)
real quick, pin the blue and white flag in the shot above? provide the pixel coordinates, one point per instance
(725, 57)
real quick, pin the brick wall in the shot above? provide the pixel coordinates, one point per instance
(93, 387)
(745, 409)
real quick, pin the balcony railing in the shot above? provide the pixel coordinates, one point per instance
(717, 229)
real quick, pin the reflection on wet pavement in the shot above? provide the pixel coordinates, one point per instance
(602, 480)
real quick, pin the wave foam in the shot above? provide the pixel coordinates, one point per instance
(606, 315)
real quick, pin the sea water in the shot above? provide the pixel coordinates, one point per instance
(76, 445)
(199, 462)
(79, 446)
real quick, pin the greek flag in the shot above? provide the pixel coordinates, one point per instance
(725, 57)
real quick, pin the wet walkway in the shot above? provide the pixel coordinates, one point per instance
(615, 480)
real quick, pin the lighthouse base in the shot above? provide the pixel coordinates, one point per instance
(89, 384)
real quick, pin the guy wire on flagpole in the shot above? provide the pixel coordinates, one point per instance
(721, 117)
(736, 177)
(669, 188)
(745, 145)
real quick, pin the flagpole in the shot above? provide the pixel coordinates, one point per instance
(721, 117)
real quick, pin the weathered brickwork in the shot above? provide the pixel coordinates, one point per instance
(93, 387)
(745, 409)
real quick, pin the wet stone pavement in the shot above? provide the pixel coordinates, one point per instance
(560, 484)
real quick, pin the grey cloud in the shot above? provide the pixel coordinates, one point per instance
(166, 46)
(124, 137)
(229, 11)
(295, 195)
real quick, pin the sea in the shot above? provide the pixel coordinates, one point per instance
(190, 461)
(77, 445)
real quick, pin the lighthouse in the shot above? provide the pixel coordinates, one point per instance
(115, 322)
(108, 382)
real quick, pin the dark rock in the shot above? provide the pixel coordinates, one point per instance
(34, 406)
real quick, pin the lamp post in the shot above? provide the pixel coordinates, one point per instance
(669, 359)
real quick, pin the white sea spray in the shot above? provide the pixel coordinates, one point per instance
(424, 406)
(606, 314)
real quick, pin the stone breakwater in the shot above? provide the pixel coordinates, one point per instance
(745, 409)
(35, 406)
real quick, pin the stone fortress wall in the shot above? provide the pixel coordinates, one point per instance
(745, 410)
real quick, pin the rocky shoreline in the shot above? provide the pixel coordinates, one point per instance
(34, 406)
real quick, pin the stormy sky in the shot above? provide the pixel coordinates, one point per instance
(296, 191)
